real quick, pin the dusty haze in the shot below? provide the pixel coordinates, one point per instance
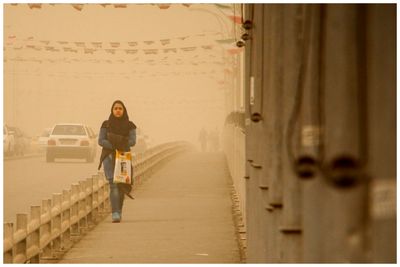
(170, 96)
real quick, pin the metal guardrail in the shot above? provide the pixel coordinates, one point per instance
(52, 228)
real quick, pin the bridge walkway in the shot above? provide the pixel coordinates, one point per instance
(181, 214)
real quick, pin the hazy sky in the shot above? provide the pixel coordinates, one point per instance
(169, 95)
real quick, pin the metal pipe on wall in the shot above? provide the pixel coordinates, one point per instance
(342, 79)
(341, 82)
(291, 224)
(308, 156)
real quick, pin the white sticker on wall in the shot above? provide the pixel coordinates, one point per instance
(252, 90)
(383, 198)
(310, 135)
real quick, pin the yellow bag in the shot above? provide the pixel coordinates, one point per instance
(122, 170)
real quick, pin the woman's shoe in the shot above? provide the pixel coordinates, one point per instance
(116, 217)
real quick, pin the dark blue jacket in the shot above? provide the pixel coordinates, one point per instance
(108, 161)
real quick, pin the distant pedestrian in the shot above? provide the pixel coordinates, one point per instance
(213, 140)
(116, 133)
(203, 139)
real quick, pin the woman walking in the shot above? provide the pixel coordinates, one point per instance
(116, 133)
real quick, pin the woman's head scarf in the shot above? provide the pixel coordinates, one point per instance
(121, 125)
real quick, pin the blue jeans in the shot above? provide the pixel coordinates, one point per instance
(116, 196)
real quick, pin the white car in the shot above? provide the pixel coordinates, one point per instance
(71, 140)
(44, 137)
(22, 142)
(8, 141)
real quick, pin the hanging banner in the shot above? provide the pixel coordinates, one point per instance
(131, 51)
(165, 41)
(120, 5)
(207, 47)
(167, 50)
(114, 44)
(80, 44)
(187, 49)
(38, 6)
(150, 51)
(111, 51)
(78, 7)
(89, 50)
(97, 44)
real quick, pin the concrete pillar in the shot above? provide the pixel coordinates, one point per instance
(381, 76)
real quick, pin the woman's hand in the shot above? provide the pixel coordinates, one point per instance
(119, 142)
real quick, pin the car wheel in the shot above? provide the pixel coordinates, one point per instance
(49, 157)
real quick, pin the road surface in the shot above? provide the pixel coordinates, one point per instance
(29, 180)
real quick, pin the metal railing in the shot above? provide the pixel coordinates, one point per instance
(52, 228)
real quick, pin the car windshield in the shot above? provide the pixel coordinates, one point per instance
(69, 130)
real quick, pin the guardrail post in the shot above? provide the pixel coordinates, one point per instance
(33, 239)
(45, 230)
(136, 168)
(82, 206)
(74, 210)
(20, 238)
(95, 198)
(8, 254)
(100, 193)
(56, 222)
(89, 200)
(66, 219)
(106, 195)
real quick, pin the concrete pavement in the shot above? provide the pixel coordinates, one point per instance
(182, 214)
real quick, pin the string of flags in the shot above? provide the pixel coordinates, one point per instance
(164, 61)
(129, 47)
(80, 7)
(129, 51)
(210, 74)
(163, 42)
(228, 10)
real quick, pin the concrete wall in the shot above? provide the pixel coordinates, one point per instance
(320, 133)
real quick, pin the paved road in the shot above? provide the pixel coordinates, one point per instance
(182, 214)
(29, 180)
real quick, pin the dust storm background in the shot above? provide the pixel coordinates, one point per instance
(170, 96)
